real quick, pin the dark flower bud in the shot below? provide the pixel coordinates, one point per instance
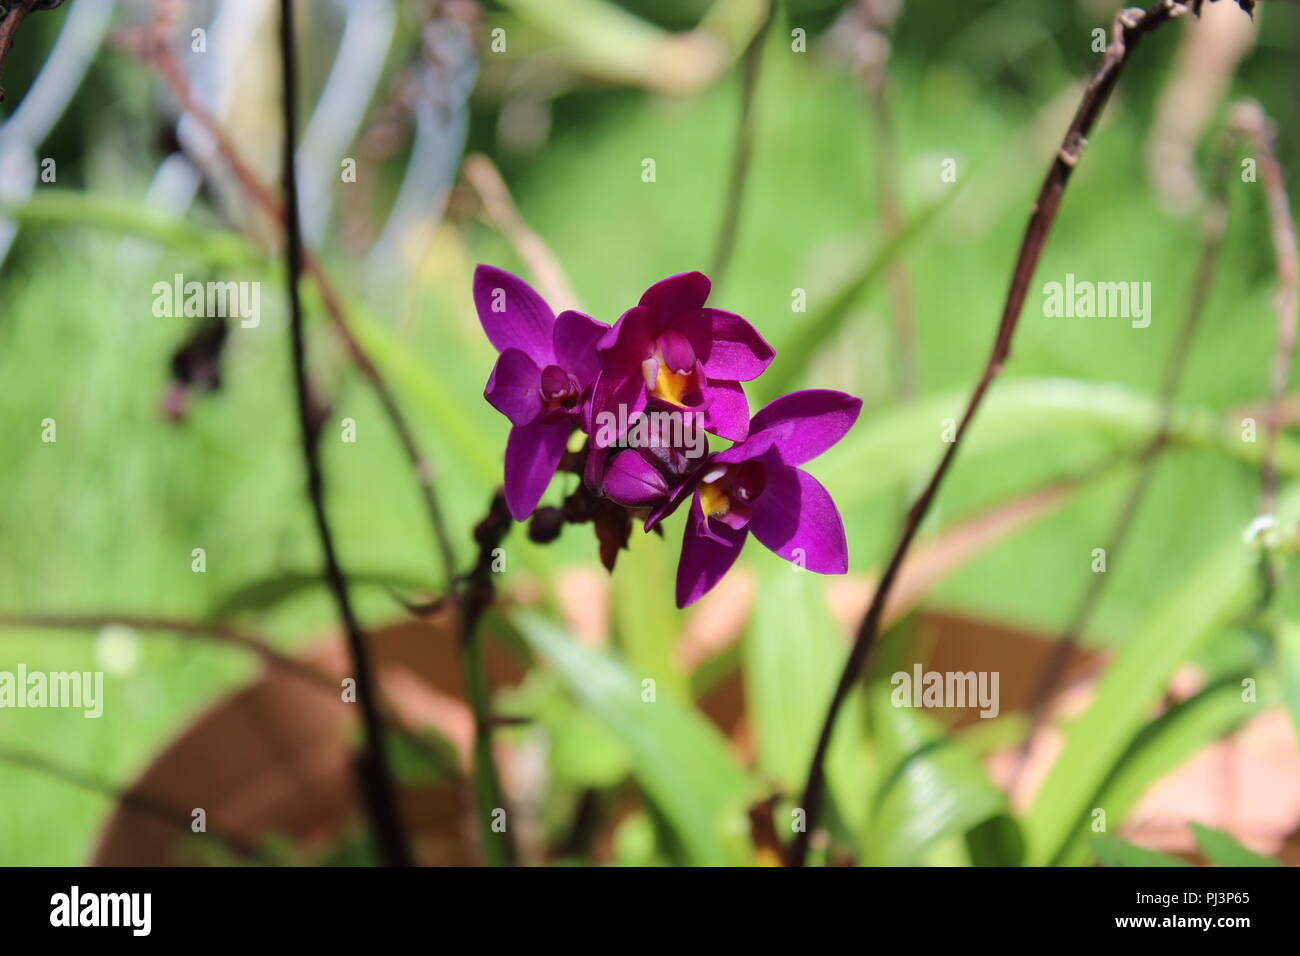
(546, 525)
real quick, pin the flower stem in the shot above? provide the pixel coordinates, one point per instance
(751, 66)
(1250, 121)
(1129, 28)
(476, 594)
(378, 792)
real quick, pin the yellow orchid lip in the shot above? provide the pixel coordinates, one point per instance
(714, 501)
(671, 386)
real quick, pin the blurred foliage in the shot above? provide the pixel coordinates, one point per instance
(106, 518)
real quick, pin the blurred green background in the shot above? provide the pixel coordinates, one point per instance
(105, 519)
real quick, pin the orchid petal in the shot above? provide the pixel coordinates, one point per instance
(514, 388)
(705, 559)
(629, 342)
(807, 423)
(727, 414)
(795, 513)
(736, 351)
(611, 392)
(684, 292)
(533, 453)
(513, 314)
(632, 481)
(575, 338)
(678, 353)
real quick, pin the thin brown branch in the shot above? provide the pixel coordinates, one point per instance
(1213, 225)
(219, 632)
(1129, 28)
(379, 793)
(751, 66)
(151, 47)
(500, 210)
(15, 14)
(1249, 120)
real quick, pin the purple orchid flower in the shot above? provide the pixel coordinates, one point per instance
(655, 460)
(672, 351)
(542, 380)
(757, 486)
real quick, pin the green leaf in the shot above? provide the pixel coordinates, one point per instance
(881, 454)
(646, 624)
(1222, 850)
(798, 349)
(1112, 851)
(793, 653)
(415, 764)
(1096, 742)
(603, 39)
(681, 762)
(1287, 637)
(1170, 740)
(932, 788)
(996, 842)
(1130, 687)
(584, 753)
(69, 207)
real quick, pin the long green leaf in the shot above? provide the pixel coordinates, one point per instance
(1133, 682)
(607, 41)
(418, 379)
(262, 594)
(878, 455)
(1222, 850)
(933, 788)
(645, 622)
(679, 759)
(793, 653)
(1171, 739)
(1112, 851)
(70, 207)
(798, 349)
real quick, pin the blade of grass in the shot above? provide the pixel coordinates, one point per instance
(796, 352)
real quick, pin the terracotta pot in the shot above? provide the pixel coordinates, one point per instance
(274, 759)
